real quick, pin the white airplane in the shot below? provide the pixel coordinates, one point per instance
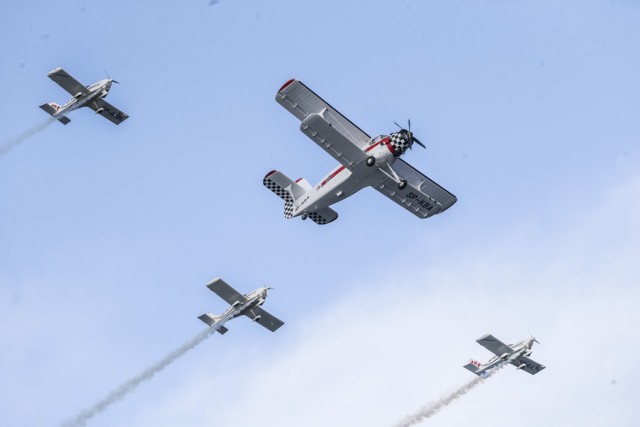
(515, 354)
(365, 162)
(83, 96)
(248, 305)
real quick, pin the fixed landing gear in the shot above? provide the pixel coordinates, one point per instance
(403, 184)
(371, 161)
(304, 216)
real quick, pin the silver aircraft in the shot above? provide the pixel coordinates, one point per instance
(248, 305)
(515, 354)
(364, 162)
(83, 96)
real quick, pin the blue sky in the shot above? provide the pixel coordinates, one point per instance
(109, 233)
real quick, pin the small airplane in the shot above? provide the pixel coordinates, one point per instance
(365, 161)
(83, 96)
(516, 354)
(248, 305)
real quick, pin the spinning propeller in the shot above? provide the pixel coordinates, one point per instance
(410, 134)
(109, 77)
(532, 337)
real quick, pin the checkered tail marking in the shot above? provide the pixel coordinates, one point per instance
(282, 193)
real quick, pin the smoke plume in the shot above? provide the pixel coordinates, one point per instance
(432, 408)
(5, 147)
(126, 388)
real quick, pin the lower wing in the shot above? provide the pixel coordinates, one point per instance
(528, 365)
(422, 196)
(108, 111)
(264, 318)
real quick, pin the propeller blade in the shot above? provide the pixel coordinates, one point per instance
(416, 140)
(397, 124)
(409, 123)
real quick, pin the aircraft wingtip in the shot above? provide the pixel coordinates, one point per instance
(286, 84)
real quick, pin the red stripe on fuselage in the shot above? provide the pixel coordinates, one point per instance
(385, 141)
(330, 177)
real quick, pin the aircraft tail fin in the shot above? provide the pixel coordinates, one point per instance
(473, 366)
(290, 191)
(52, 108)
(211, 320)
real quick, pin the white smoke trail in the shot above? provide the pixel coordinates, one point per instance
(8, 145)
(432, 408)
(126, 388)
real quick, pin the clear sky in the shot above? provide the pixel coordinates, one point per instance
(108, 234)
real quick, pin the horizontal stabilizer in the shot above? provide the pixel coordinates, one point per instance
(211, 320)
(298, 190)
(280, 184)
(52, 108)
(471, 366)
(323, 216)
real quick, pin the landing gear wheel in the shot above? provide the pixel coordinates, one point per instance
(403, 184)
(304, 216)
(371, 161)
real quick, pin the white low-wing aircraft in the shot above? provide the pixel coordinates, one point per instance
(83, 96)
(516, 354)
(365, 161)
(248, 305)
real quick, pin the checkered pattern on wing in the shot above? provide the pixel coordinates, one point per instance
(399, 144)
(280, 192)
(317, 218)
(288, 209)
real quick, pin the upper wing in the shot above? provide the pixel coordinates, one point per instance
(302, 101)
(321, 130)
(108, 111)
(494, 345)
(422, 196)
(530, 366)
(67, 82)
(267, 319)
(225, 291)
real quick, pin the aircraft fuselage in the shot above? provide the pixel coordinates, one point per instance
(341, 182)
(97, 91)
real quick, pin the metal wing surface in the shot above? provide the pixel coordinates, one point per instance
(319, 128)
(302, 101)
(530, 366)
(226, 292)
(108, 111)
(422, 196)
(67, 82)
(494, 345)
(267, 319)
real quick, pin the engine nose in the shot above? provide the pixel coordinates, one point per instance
(401, 141)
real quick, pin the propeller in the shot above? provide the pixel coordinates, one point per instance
(109, 77)
(533, 338)
(413, 138)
